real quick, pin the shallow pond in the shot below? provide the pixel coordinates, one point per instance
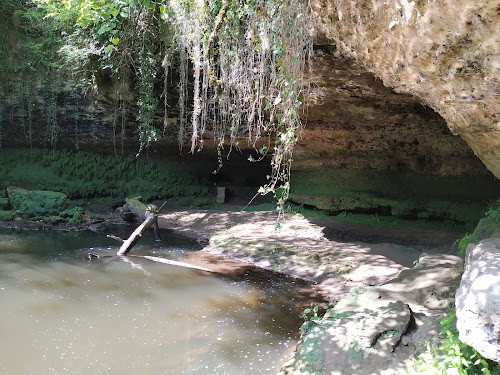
(61, 314)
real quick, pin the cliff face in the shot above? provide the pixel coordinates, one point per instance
(446, 53)
(354, 121)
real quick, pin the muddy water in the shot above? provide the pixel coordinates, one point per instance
(61, 314)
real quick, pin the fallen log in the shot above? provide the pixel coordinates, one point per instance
(173, 263)
(151, 217)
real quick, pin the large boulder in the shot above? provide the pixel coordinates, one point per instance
(379, 330)
(352, 338)
(478, 299)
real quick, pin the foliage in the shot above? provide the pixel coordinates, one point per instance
(462, 243)
(488, 224)
(452, 356)
(248, 59)
(313, 312)
(88, 175)
(36, 202)
(6, 215)
(4, 203)
(32, 75)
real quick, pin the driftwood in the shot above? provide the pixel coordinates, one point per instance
(150, 219)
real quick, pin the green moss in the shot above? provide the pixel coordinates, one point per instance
(6, 215)
(356, 350)
(310, 354)
(4, 203)
(455, 200)
(137, 204)
(36, 202)
(83, 175)
(488, 224)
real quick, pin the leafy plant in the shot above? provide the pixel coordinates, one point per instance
(453, 356)
(462, 243)
(313, 312)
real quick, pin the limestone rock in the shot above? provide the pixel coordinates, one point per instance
(135, 208)
(446, 53)
(478, 299)
(429, 287)
(221, 194)
(353, 338)
(380, 330)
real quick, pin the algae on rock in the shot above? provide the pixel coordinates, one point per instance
(36, 202)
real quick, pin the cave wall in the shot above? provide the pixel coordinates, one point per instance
(381, 114)
(445, 53)
(354, 121)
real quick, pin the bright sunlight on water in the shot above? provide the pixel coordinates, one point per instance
(61, 314)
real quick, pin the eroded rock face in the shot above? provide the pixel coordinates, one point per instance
(478, 299)
(378, 330)
(446, 53)
(353, 120)
(352, 338)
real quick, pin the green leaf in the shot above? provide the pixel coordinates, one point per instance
(115, 41)
(446, 320)
(446, 328)
(163, 8)
(101, 30)
(307, 311)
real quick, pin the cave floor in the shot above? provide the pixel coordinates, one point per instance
(336, 255)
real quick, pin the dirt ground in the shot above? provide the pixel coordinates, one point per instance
(335, 255)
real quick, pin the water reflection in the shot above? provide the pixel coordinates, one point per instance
(60, 314)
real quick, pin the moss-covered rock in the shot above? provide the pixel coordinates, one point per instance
(488, 224)
(4, 203)
(357, 334)
(455, 199)
(36, 202)
(6, 215)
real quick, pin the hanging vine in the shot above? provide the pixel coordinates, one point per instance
(248, 61)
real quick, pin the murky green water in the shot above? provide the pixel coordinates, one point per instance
(61, 314)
